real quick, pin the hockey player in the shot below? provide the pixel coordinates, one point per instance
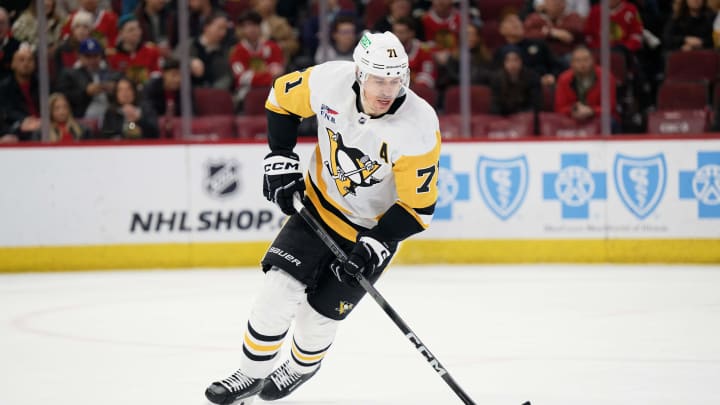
(372, 182)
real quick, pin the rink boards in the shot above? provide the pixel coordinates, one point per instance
(178, 205)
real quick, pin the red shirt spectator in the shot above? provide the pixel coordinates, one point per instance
(577, 92)
(561, 31)
(254, 64)
(441, 24)
(626, 28)
(254, 61)
(104, 26)
(421, 62)
(137, 60)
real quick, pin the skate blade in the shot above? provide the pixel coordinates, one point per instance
(245, 401)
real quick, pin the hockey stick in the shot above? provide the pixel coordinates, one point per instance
(412, 337)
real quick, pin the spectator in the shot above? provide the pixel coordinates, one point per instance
(421, 63)
(276, 28)
(63, 127)
(580, 7)
(104, 22)
(162, 94)
(311, 27)
(691, 26)
(135, 59)
(577, 93)
(441, 25)
(203, 10)
(8, 45)
(19, 95)
(626, 29)
(125, 119)
(399, 9)
(66, 54)
(560, 29)
(536, 54)
(158, 23)
(255, 61)
(210, 65)
(480, 62)
(88, 85)
(344, 38)
(515, 88)
(25, 28)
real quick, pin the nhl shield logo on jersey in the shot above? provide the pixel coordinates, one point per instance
(349, 167)
(640, 182)
(503, 184)
(222, 178)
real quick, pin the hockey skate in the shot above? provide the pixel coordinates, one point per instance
(283, 381)
(237, 387)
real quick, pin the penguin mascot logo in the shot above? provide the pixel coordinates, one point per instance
(350, 167)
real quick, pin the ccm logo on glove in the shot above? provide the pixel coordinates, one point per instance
(282, 179)
(280, 165)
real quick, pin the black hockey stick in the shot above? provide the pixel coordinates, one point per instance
(340, 254)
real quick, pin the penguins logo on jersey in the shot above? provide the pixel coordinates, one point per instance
(350, 167)
(344, 307)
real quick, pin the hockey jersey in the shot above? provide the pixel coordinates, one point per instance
(366, 172)
(139, 66)
(104, 29)
(626, 27)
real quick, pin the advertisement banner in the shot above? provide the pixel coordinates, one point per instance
(188, 203)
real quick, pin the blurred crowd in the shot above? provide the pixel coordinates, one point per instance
(115, 73)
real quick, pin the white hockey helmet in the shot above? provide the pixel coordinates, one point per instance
(381, 55)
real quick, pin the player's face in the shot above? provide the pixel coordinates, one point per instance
(379, 94)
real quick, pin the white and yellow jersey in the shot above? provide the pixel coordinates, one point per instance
(362, 166)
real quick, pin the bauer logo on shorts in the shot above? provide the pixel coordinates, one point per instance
(222, 178)
(640, 182)
(503, 184)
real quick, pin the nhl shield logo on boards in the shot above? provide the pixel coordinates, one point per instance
(503, 184)
(640, 182)
(222, 178)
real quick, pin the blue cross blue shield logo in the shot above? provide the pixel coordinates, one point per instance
(640, 182)
(503, 184)
(452, 187)
(575, 186)
(703, 184)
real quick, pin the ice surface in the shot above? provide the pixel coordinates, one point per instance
(552, 334)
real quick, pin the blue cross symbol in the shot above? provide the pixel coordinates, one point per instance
(703, 184)
(574, 185)
(451, 187)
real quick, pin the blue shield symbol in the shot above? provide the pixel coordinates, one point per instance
(640, 182)
(503, 184)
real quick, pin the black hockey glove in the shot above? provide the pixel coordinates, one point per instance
(282, 179)
(368, 255)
